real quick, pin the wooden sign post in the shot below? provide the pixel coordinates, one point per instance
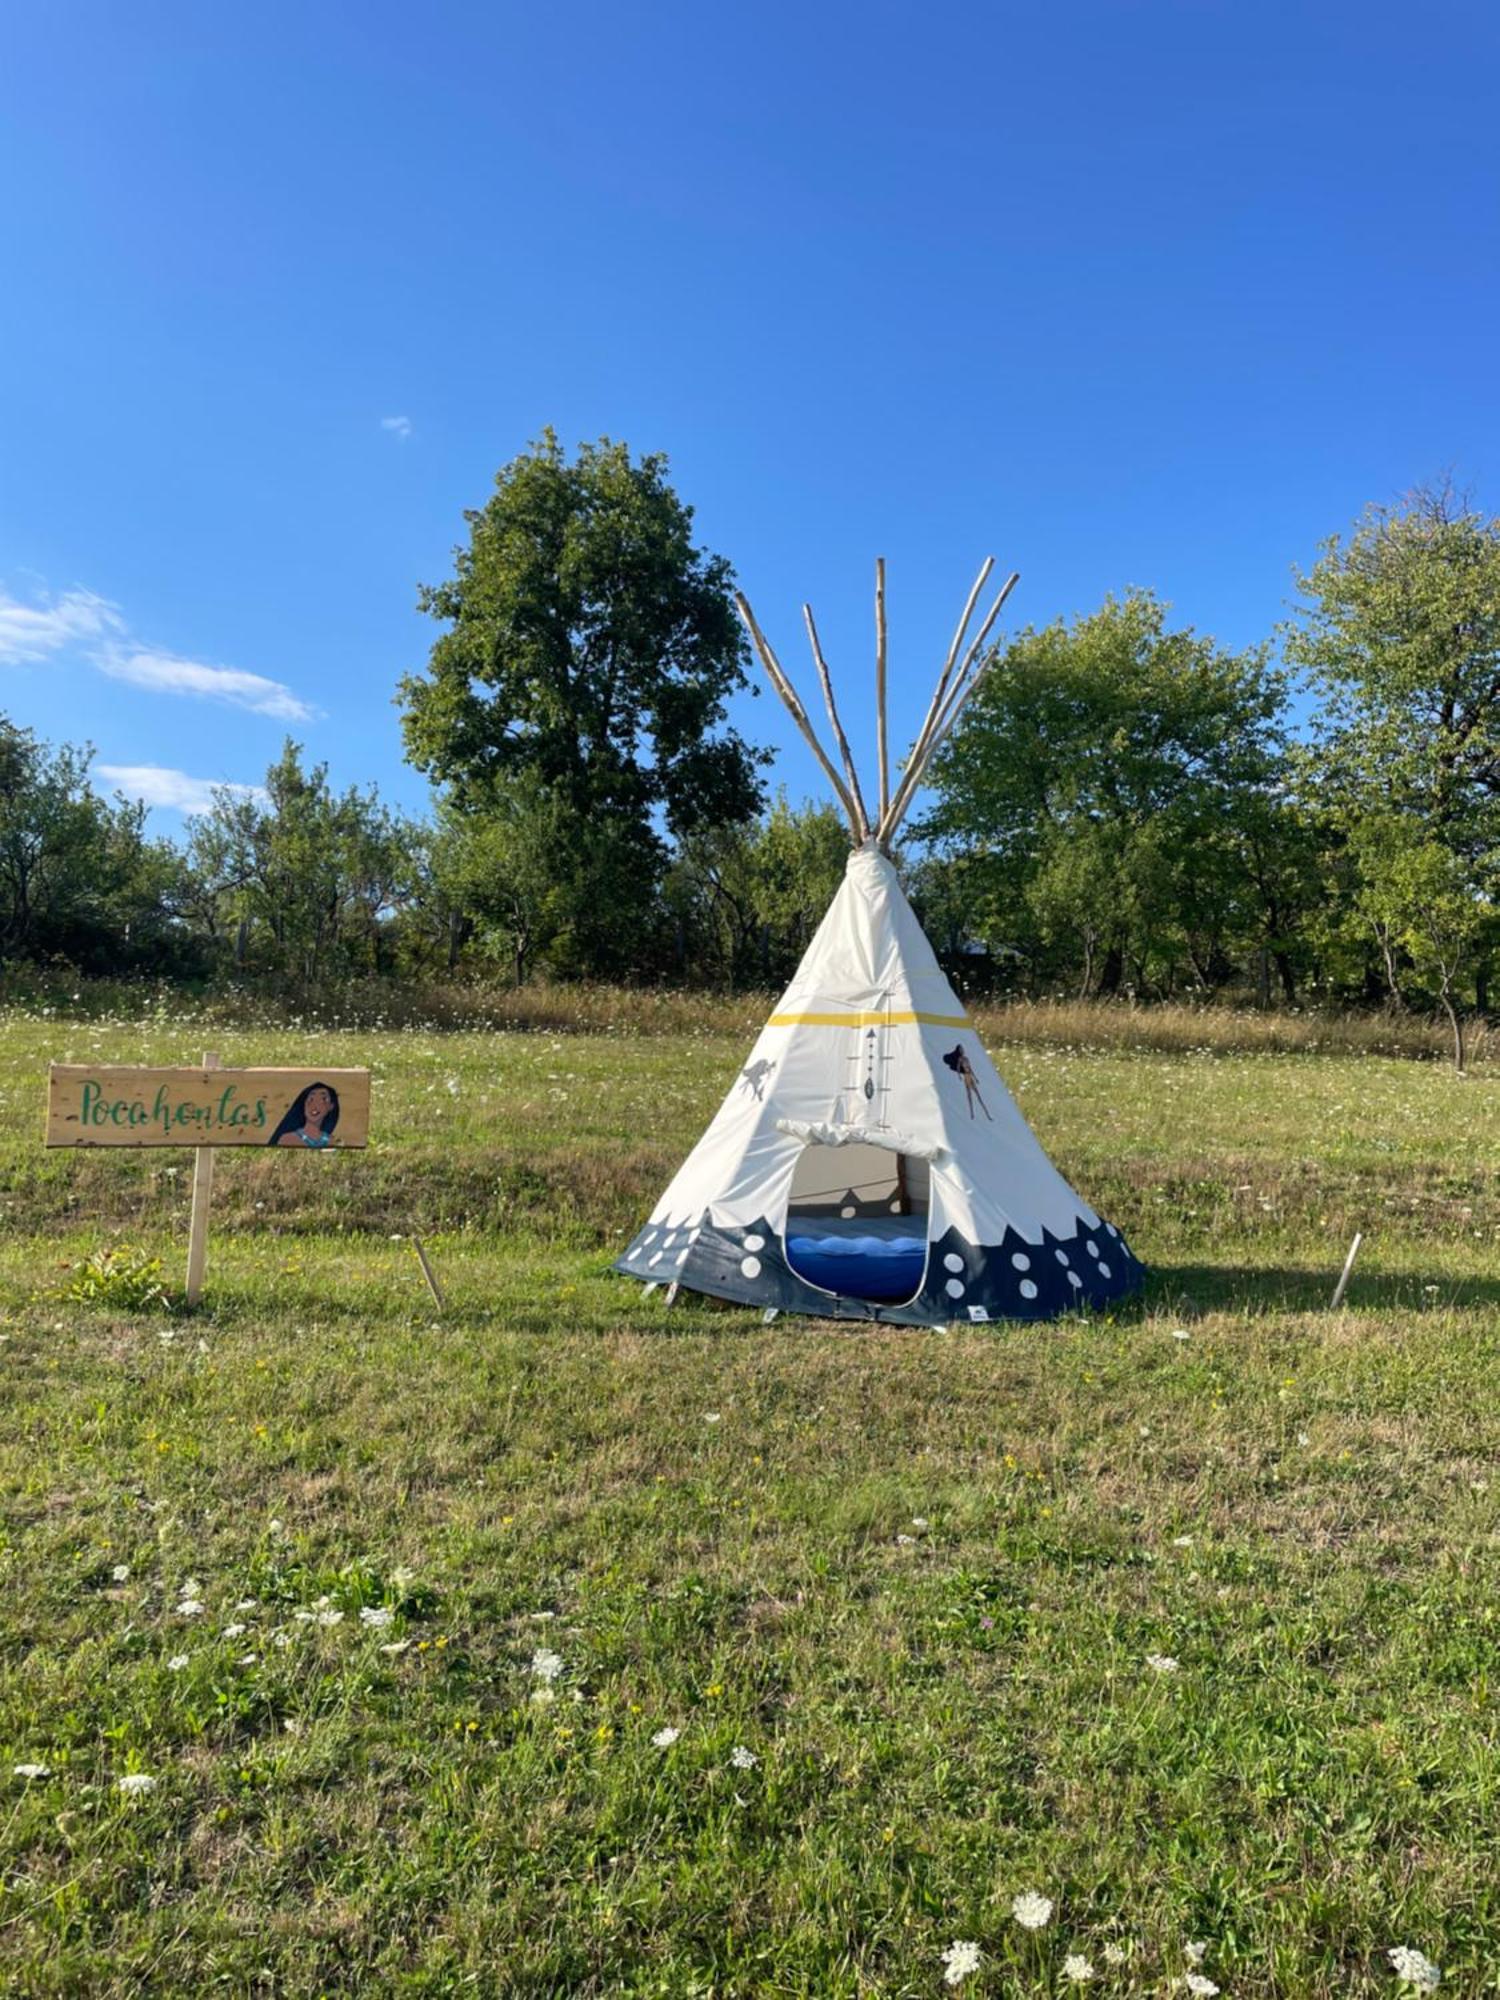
(295, 1110)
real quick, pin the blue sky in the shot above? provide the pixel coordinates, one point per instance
(1140, 292)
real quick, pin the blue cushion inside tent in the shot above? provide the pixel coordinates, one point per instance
(866, 1257)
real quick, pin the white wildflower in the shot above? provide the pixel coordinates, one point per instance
(906, 1541)
(1181, 1333)
(375, 1615)
(396, 1646)
(1196, 1983)
(712, 1417)
(177, 1662)
(136, 1784)
(246, 1660)
(304, 1617)
(545, 1664)
(247, 1604)
(403, 1578)
(121, 1572)
(1030, 1910)
(920, 1523)
(232, 1631)
(959, 1960)
(31, 1770)
(1115, 1954)
(665, 1738)
(1076, 1967)
(542, 1695)
(190, 1607)
(1194, 1952)
(1182, 1541)
(743, 1759)
(190, 1587)
(1161, 1663)
(1414, 1968)
(328, 1616)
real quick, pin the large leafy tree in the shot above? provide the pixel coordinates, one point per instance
(80, 880)
(1104, 786)
(1400, 631)
(590, 647)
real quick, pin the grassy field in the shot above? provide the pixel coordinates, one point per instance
(898, 1593)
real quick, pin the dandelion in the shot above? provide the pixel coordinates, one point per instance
(31, 1770)
(1196, 1983)
(1115, 1954)
(136, 1784)
(959, 1960)
(665, 1738)
(177, 1662)
(375, 1615)
(190, 1607)
(545, 1664)
(743, 1759)
(1030, 1910)
(1161, 1663)
(121, 1572)
(1076, 1967)
(1413, 1968)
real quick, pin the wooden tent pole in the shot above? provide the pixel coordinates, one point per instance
(788, 694)
(937, 693)
(838, 728)
(203, 1194)
(880, 743)
(936, 735)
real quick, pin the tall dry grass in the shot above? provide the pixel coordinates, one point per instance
(1172, 1028)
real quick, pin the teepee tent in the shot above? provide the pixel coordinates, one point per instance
(868, 1163)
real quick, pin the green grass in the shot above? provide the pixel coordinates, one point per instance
(1301, 1508)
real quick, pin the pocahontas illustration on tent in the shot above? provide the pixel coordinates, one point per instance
(868, 1163)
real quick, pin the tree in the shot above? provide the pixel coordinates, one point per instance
(1104, 778)
(1401, 635)
(79, 880)
(304, 879)
(590, 647)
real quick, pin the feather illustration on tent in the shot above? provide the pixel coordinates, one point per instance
(842, 1177)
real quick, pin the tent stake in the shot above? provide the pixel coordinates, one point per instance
(1338, 1290)
(428, 1273)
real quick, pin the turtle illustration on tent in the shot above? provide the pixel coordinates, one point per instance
(839, 1177)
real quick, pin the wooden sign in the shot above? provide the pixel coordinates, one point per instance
(297, 1110)
(294, 1110)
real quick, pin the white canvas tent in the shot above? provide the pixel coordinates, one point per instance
(868, 1161)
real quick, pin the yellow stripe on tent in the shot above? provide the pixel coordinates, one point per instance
(866, 1020)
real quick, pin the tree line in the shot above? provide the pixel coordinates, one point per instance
(1127, 807)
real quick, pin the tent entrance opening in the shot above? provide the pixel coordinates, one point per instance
(856, 1221)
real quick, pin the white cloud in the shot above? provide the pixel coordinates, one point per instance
(156, 785)
(32, 631)
(168, 673)
(79, 620)
(400, 427)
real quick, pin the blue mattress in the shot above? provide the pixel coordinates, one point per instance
(861, 1259)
